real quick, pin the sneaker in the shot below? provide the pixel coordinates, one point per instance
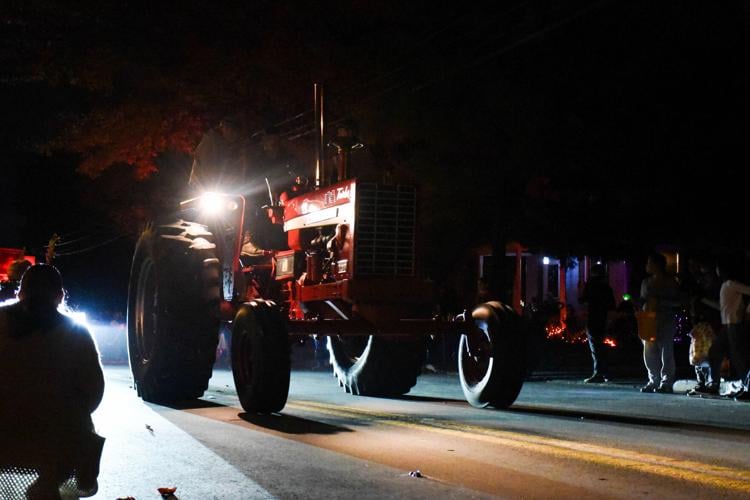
(596, 378)
(649, 387)
(664, 389)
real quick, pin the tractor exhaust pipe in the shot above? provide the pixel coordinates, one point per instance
(320, 172)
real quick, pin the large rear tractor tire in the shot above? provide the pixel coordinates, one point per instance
(376, 366)
(260, 357)
(173, 304)
(491, 357)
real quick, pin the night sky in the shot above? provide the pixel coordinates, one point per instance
(599, 127)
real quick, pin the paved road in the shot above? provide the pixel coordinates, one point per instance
(560, 440)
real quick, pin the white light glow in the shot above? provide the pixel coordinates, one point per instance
(78, 317)
(212, 203)
(545, 261)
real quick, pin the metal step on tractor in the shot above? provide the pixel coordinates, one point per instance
(347, 271)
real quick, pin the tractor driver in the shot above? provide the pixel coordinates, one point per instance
(224, 162)
(270, 162)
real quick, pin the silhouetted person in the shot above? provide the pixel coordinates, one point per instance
(731, 339)
(660, 294)
(599, 300)
(50, 383)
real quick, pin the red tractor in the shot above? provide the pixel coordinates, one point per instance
(348, 273)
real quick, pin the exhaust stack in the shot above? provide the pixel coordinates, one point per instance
(320, 173)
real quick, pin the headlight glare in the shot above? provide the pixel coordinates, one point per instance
(213, 203)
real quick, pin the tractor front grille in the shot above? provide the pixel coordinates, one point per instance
(385, 234)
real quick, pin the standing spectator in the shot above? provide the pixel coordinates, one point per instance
(743, 394)
(731, 339)
(51, 383)
(660, 294)
(599, 300)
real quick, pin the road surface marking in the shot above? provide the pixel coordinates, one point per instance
(685, 470)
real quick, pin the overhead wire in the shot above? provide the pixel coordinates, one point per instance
(64, 241)
(418, 43)
(452, 43)
(502, 50)
(428, 36)
(81, 230)
(90, 248)
(522, 41)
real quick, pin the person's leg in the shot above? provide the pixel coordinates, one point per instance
(599, 350)
(592, 348)
(737, 350)
(703, 376)
(596, 344)
(667, 362)
(652, 360)
(700, 376)
(597, 356)
(745, 394)
(715, 357)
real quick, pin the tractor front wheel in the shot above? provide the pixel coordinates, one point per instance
(260, 357)
(173, 302)
(491, 357)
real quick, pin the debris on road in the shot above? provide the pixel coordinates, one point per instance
(150, 429)
(416, 473)
(167, 492)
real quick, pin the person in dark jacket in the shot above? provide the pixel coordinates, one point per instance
(51, 383)
(599, 300)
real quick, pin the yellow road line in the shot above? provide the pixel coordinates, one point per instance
(684, 470)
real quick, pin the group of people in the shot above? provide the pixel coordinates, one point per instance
(719, 328)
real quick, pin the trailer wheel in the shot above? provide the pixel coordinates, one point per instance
(173, 302)
(260, 357)
(375, 366)
(491, 358)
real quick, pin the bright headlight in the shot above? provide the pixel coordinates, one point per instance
(211, 203)
(214, 203)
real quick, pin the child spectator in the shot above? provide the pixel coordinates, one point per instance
(701, 338)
